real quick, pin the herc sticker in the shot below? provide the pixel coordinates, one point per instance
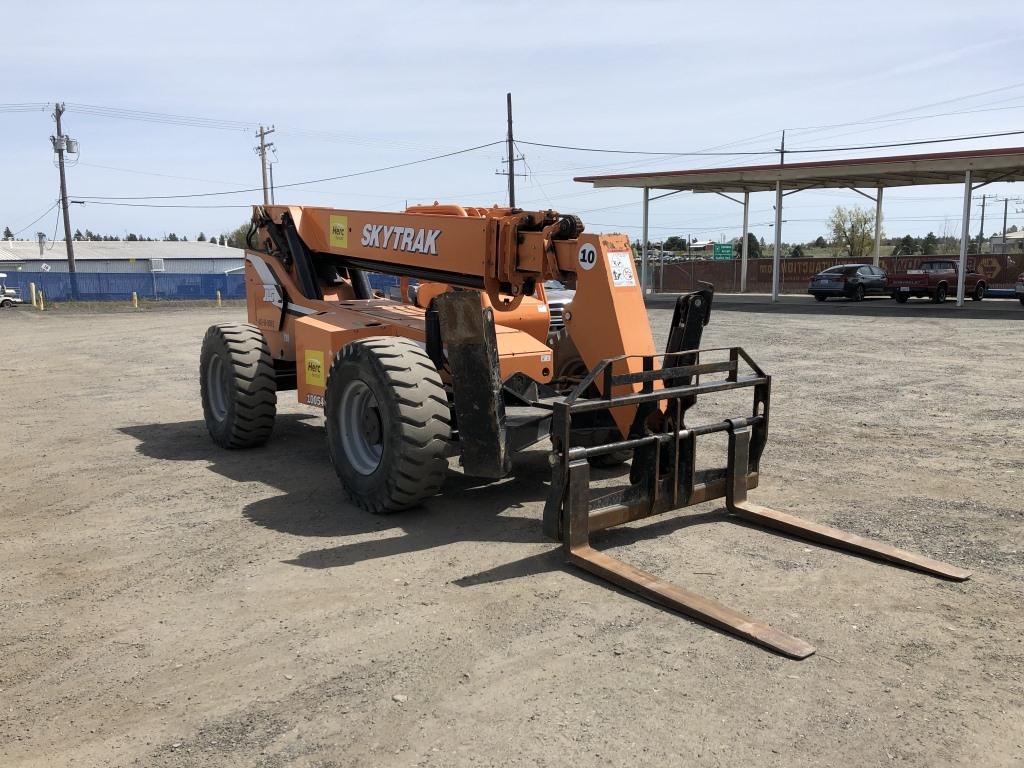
(339, 231)
(314, 367)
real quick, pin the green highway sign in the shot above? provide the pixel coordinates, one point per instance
(722, 251)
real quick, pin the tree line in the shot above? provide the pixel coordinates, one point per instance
(234, 239)
(851, 234)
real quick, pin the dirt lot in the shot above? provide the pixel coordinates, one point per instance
(166, 603)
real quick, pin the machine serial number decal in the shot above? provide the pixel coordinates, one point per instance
(588, 256)
(339, 231)
(317, 400)
(621, 263)
(314, 367)
(401, 238)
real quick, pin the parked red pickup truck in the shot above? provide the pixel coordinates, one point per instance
(935, 279)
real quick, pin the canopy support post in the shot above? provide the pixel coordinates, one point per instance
(643, 245)
(964, 237)
(777, 254)
(878, 225)
(743, 252)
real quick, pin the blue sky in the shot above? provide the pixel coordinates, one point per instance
(353, 86)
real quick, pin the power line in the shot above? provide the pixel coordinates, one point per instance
(154, 173)
(24, 107)
(156, 205)
(632, 151)
(37, 218)
(160, 117)
(907, 143)
(776, 151)
(93, 198)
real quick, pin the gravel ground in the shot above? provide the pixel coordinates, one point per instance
(167, 603)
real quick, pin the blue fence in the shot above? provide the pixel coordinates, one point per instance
(119, 286)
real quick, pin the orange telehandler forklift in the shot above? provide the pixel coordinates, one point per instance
(468, 370)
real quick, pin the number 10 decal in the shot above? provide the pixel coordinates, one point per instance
(588, 256)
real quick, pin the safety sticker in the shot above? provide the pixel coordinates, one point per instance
(314, 367)
(621, 263)
(339, 231)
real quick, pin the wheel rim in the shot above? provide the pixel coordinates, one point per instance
(216, 387)
(361, 427)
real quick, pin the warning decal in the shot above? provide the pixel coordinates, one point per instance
(621, 263)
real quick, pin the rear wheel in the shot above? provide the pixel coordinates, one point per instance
(1022, 301)
(819, 297)
(979, 292)
(388, 423)
(858, 293)
(570, 368)
(238, 386)
(6, 303)
(940, 294)
(901, 297)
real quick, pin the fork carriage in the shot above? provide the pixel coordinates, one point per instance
(664, 477)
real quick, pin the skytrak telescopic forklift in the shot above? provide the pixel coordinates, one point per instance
(469, 372)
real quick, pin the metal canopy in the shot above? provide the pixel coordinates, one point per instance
(986, 165)
(974, 168)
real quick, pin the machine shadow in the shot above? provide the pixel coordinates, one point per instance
(312, 503)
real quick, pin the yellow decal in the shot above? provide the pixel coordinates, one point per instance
(314, 367)
(339, 231)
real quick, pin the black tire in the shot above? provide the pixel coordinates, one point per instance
(819, 297)
(567, 362)
(901, 297)
(388, 423)
(979, 292)
(858, 293)
(6, 303)
(238, 386)
(940, 294)
(1022, 301)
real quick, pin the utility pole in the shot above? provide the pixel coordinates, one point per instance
(1006, 205)
(511, 155)
(981, 231)
(272, 201)
(782, 149)
(59, 144)
(511, 173)
(261, 150)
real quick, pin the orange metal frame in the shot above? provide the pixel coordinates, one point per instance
(510, 252)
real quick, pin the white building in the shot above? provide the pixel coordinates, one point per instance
(192, 258)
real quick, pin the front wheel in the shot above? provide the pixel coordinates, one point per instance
(858, 293)
(979, 292)
(940, 294)
(238, 385)
(901, 297)
(819, 297)
(388, 423)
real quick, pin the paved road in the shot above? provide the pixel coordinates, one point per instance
(989, 309)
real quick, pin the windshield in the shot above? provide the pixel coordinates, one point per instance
(553, 285)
